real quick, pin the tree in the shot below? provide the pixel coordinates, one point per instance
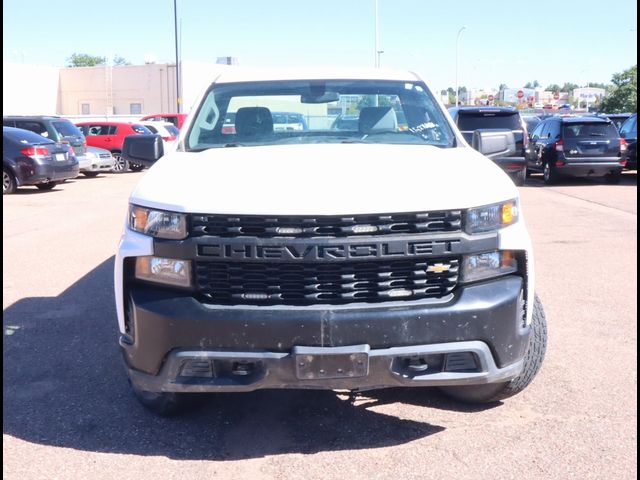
(535, 84)
(503, 86)
(597, 85)
(553, 88)
(568, 87)
(85, 60)
(623, 94)
(118, 60)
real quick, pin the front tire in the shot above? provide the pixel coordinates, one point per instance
(135, 167)
(164, 404)
(533, 357)
(90, 174)
(9, 184)
(519, 178)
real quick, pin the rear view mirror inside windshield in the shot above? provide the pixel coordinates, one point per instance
(326, 97)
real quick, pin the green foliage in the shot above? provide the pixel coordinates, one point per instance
(85, 60)
(118, 60)
(568, 87)
(535, 84)
(623, 95)
(554, 87)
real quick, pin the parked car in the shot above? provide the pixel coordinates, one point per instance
(577, 146)
(167, 130)
(54, 128)
(470, 119)
(288, 121)
(110, 136)
(229, 125)
(345, 122)
(31, 159)
(96, 160)
(177, 119)
(358, 259)
(531, 121)
(629, 132)
(617, 118)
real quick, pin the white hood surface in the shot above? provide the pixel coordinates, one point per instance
(323, 179)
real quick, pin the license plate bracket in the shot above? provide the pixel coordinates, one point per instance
(61, 157)
(316, 363)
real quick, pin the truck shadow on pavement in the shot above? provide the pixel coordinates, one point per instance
(64, 385)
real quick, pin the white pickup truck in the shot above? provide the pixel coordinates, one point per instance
(360, 258)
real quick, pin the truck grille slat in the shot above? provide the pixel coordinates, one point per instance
(228, 226)
(317, 283)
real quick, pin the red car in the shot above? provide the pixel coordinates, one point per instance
(110, 136)
(176, 118)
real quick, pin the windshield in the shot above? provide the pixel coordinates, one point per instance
(582, 130)
(470, 122)
(66, 129)
(377, 112)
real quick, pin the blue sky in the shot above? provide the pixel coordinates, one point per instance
(504, 42)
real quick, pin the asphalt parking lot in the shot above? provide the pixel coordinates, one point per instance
(68, 411)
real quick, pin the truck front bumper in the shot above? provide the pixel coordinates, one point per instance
(175, 343)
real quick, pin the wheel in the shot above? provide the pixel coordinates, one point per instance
(46, 186)
(519, 177)
(8, 182)
(529, 173)
(549, 174)
(135, 167)
(90, 174)
(164, 404)
(533, 357)
(120, 165)
(613, 177)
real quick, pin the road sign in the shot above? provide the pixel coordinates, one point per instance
(520, 94)
(556, 95)
(531, 98)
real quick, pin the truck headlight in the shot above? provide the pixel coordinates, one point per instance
(487, 265)
(491, 217)
(158, 223)
(164, 270)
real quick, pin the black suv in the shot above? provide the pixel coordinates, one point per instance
(576, 146)
(629, 131)
(54, 128)
(470, 119)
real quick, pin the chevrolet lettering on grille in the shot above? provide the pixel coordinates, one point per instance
(329, 252)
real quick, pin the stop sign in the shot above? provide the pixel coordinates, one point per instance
(556, 95)
(520, 94)
(491, 98)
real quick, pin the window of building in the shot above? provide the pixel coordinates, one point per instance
(135, 108)
(85, 109)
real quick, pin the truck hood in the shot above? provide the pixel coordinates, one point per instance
(327, 179)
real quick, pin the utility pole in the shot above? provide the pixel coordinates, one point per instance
(175, 28)
(457, 61)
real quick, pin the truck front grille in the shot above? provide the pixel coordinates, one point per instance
(239, 283)
(325, 226)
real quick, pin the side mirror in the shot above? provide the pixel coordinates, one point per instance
(494, 143)
(143, 149)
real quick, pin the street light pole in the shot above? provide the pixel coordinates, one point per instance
(376, 58)
(457, 61)
(175, 28)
